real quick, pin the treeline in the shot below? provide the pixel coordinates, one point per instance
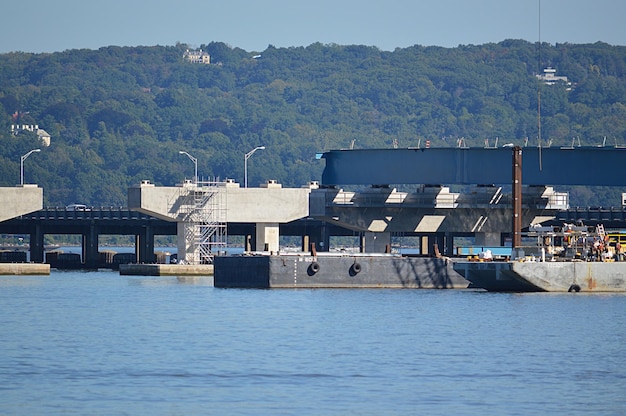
(119, 115)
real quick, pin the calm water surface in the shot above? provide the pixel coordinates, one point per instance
(77, 343)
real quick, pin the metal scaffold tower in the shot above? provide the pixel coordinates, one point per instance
(203, 215)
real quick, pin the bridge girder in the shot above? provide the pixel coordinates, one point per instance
(590, 166)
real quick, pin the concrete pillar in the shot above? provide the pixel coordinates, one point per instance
(186, 252)
(487, 239)
(306, 245)
(267, 237)
(36, 244)
(424, 245)
(90, 247)
(375, 242)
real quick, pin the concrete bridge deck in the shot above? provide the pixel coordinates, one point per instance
(20, 200)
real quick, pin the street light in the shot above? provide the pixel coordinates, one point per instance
(195, 165)
(245, 164)
(22, 159)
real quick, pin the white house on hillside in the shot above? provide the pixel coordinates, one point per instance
(41, 133)
(197, 57)
(549, 77)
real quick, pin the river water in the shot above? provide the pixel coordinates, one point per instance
(97, 343)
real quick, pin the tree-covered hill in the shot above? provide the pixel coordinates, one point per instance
(119, 115)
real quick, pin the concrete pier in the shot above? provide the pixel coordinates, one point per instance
(16, 269)
(267, 207)
(166, 270)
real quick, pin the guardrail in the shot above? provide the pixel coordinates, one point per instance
(98, 213)
(443, 200)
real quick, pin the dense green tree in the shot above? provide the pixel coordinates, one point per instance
(118, 115)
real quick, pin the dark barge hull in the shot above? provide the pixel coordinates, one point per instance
(335, 271)
(494, 277)
(528, 276)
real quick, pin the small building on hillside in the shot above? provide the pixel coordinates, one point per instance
(43, 135)
(549, 77)
(197, 57)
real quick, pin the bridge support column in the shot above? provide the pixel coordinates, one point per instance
(440, 241)
(267, 237)
(427, 244)
(144, 246)
(449, 244)
(36, 244)
(323, 243)
(186, 253)
(488, 239)
(424, 243)
(90, 248)
(317, 235)
(375, 242)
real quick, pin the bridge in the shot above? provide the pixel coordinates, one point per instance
(489, 166)
(94, 222)
(90, 224)
(430, 211)
(20, 200)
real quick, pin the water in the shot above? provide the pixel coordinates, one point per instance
(77, 343)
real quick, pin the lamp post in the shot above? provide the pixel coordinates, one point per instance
(22, 159)
(195, 165)
(245, 164)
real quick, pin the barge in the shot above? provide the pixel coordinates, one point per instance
(568, 258)
(545, 276)
(335, 270)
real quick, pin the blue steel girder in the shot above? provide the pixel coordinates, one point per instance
(590, 166)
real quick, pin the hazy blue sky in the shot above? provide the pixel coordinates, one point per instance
(57, 25)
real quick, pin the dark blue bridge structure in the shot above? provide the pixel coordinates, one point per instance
(90, 224)
(589, 166)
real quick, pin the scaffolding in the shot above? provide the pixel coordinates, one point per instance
(202, 213)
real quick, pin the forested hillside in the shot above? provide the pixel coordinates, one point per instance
(119, 115)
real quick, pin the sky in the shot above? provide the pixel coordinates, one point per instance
(57, 25)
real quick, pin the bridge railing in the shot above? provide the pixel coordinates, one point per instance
(442, 200)
(97, 213)
(593, 214)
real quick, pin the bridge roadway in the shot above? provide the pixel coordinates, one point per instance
(90, 224)
(611, 217)
(122, 221)
(94, 222)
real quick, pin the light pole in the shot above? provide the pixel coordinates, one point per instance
(195, 165)
(22, 159)
(245, 164)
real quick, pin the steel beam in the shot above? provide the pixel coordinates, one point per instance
(589, 166)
